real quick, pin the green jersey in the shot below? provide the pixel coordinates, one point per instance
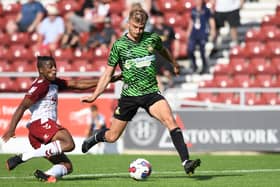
(137, 62)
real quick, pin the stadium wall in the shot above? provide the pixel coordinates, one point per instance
(204, 130)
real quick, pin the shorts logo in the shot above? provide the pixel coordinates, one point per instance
(117, 111)
(46, 126)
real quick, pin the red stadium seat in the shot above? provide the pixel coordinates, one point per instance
(174, 19)
(5, 66)
(261, 66)
(254, 99)
(64, 66)
(186, 5)
(271, 33)
(263, 80)
(65, 6)
(270, 20)
(4, 53)
(274, 48)
(20, 38)
(1, 10)
(229, 98)
(242, 81)
(271, 98)
(222, 69)
(34, 38)
(182, 49)
(99, 65)
(208, 84)
(117, 7)
(240, 66)
(82, 55)
(7, 84)
(19, 52)
(3, 22)
(275, 63)
(254, 49)
(208, 97)
(63, 54)
(5, 39)
(83, 65)
(12, 9)
(238, 52)
(223, 81)
(168, 5)
(181, 34)
(23, 83)
(254, 35)
(23, 66)
(100, 53)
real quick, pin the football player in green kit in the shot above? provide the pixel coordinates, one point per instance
(135, 52)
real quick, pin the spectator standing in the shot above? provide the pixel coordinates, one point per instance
(228, 11)
(200, 26)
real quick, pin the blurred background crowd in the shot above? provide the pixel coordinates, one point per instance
(217, 43)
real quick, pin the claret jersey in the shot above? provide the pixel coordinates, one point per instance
(137, 62)
(44, 95)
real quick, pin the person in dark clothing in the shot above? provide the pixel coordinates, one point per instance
(200, 26)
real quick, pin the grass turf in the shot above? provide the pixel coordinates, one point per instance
(112, 170)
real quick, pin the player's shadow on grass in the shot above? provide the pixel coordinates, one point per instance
(209, 177)
(196, 177)
(93, 177)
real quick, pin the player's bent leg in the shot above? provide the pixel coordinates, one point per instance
(162, 111)
(105, 135)
(62, 166)
(66, 141)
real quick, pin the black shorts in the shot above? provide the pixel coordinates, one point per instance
(233, 18)
(128, 105)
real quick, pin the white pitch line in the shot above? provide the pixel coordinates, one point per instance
(154, 172)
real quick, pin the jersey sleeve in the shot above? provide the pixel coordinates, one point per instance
(38, 90)
(114, 56)
(62, 84)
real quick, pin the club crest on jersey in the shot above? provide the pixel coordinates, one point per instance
(150, 48)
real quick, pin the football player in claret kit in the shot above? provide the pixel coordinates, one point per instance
(49, 139)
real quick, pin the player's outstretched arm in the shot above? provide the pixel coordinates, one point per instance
(101, 86)
(10, 132)
(82, 84)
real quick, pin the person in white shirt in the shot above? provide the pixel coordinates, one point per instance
(228, 11)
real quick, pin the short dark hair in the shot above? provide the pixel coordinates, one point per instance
(139, 15)
(42, 59)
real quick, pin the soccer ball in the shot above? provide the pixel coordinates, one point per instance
(140, 169)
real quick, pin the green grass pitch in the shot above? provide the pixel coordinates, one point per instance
(112, 170)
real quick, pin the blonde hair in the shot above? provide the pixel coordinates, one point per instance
(139, 15)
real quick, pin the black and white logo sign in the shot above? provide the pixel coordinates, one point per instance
(143, 130)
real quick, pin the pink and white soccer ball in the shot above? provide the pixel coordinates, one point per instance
(140, 169)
